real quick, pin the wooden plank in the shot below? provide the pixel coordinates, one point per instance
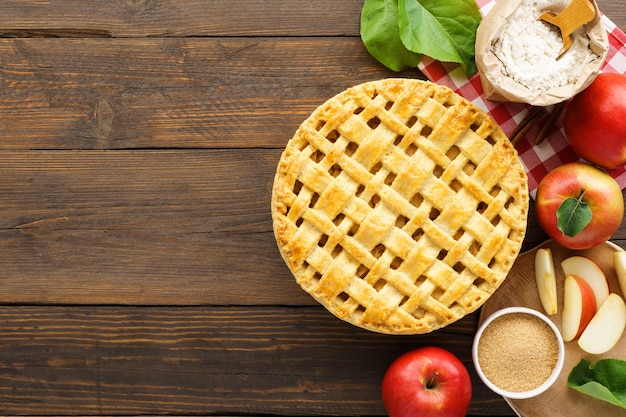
(173, 227)
(144, 227)
(170, 93)
(126, 180)
(212, 361)
(186, 18)
(614, 10)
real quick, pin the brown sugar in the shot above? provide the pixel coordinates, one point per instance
(518, 352)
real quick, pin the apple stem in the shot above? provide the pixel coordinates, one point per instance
(432, 382)
(582, 193)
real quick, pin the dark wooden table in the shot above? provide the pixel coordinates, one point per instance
(138, 269)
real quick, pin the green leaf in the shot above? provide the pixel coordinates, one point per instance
(381, 36)
(573, 215)
(606, 380)
(442, 30)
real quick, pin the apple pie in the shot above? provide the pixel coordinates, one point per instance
(399, 206)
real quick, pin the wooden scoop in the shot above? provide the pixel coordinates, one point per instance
(571, 18)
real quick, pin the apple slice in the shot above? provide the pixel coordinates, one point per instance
(619, 263)
(579, 307)
(606, 328)
(546, 280)
(587, 269)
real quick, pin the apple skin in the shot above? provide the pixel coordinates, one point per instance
(587, 269)
(579, 307)
(595, 121)
(427, 382)
(602, 193)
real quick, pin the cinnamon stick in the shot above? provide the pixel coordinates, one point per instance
(525, 125)
(554, 114)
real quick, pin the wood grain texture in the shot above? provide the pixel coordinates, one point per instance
(615, 10)
(148, 227)
(179, 18)
(138, 143)
(170, 93)
(192, 18)
(143, 227)
(132, 361)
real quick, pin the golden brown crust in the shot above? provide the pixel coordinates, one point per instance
(399, 206)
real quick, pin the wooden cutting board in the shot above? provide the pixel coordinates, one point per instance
(519, 289)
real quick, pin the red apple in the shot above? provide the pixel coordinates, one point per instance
(591, 272)
(427, 382)
(584, 187)
(579, 307)
(595, 121)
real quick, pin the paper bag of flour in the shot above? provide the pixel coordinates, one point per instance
(518, 55)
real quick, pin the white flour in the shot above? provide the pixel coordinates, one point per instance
(529, 48)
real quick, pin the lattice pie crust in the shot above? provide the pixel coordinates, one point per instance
(399, 206)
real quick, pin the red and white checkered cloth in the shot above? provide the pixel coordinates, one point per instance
(554, 150)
